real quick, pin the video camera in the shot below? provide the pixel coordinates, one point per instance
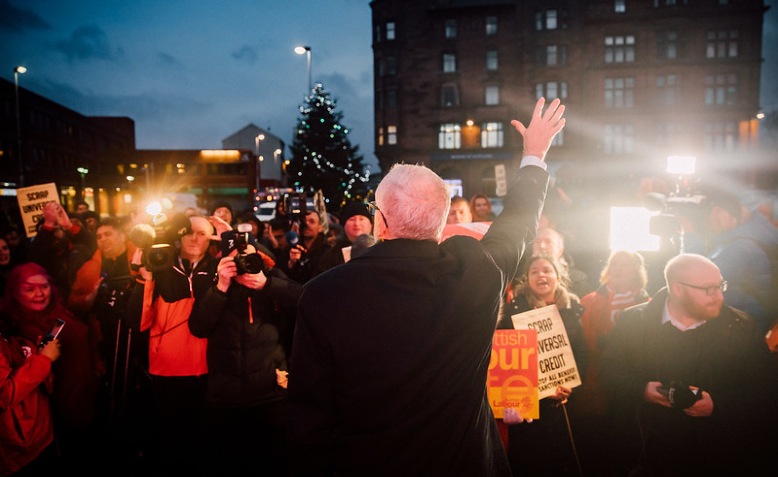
(296, 206)
(159, 250)
(240, 239)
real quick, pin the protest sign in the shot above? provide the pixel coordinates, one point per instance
(512, 380)
(556, 363)
(31, 200)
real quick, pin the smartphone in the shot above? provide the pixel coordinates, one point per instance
(53, 333)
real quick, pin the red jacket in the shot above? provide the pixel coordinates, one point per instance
(25, 410)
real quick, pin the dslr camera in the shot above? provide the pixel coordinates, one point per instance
(239, 239)
(680, 395)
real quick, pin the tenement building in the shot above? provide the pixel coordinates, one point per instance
(643, 81)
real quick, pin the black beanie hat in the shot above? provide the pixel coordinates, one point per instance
(352, 209)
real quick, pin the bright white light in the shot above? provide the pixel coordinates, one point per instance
(680, 165)
(629, 229)
(154, 208)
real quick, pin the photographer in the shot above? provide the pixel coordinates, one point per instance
(246, 317)
(307, 251)
(689, 381)
(173, 278)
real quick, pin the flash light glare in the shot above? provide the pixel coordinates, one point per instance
(154, 208)
(629, 229)
(680, 165)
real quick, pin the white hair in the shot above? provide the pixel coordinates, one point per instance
(414, 201)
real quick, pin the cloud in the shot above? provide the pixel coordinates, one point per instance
(19, 20)
(88, 42)
(245, 53)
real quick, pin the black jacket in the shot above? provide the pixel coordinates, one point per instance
(727, 357)
(245, 346)
(391, 350)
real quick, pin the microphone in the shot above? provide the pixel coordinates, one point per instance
(292, 238)
(361, 243)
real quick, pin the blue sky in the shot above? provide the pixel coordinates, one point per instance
(192, 72)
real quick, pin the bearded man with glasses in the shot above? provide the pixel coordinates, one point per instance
(689, 381)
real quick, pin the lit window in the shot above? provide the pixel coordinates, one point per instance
(619, 92)
(491, 60)
(620, 49)
(380, 136)
(620, 6)
(391, 135)
(390, 31)
(451, 29)
(491, 134)
(449, 63)
(547, 20)
(492, 95)
(450, 136)
(491, 26)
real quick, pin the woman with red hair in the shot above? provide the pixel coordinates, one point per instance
(29, 309)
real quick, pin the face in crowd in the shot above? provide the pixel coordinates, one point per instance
(110, 241)
(697, 287)
(224, 214)
(34, 293)
(482, 207)
(357, 225)
(312, 225)
(542, 279)
(548, 242)
(195, 245)
(5, 253)
(459, 213)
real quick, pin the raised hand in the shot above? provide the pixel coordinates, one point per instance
(542, 128)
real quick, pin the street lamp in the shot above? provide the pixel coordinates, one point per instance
(83, 171)
(258, 173)
(17, 71)
(306, 50)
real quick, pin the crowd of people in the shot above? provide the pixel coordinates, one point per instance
(358, 343)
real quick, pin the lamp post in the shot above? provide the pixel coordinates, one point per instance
(257, 175)
(83, 171)
(17, 71)
(306, 50)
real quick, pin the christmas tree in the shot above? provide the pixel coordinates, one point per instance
(322, 155)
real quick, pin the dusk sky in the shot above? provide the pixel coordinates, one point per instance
(192, 72)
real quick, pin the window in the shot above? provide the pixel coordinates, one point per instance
(491, 134)
(620, 6)
(620, 49)
(551, 90)
(618, 139)
(491, 25)
(619, 92)
(380, 136)
(390, 31)
(391, 135)
(391, 65)
(449, 95)
(390, 99)
(668, 45)
(547, 20)
(666, 90)
(451, 29)
(450, 136)
(722, 44)
(551, 55)
(720, 136)
(449, 63)
(492, 95)
(491, 60)
(720, 90)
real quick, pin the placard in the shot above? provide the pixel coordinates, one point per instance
(512, 380)
(556, 363)
(31, 200)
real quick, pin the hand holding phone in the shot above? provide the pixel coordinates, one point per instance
(53, 333)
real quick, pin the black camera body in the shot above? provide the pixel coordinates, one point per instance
(680, 395)
(159, 257)
(239, 239)
(296, 206)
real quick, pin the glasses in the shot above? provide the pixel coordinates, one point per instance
(708, 290)
(373, 207)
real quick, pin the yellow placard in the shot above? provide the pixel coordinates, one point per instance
(31, 200)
